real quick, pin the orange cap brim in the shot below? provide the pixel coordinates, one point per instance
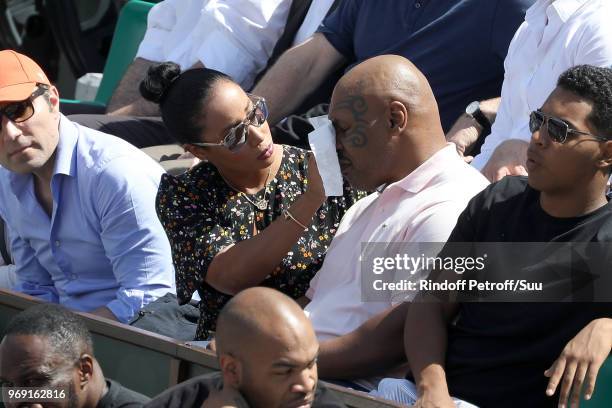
(17, 92)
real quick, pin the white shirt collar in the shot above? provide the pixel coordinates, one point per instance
(562, 9)
(566, 8)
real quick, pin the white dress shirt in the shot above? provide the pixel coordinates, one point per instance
(232, 36)
(555, 36)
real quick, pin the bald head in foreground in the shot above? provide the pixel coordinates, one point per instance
(267, 353)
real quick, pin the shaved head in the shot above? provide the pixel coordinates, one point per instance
(390, 77)
(267, 349)
(259, 315)
(384, 107)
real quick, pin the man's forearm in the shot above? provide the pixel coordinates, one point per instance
(466, 130)
(425, 341)
(375, 348)
(298, 72)
(126, 99)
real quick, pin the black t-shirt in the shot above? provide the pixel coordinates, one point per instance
(118, 396)
(497, 352)
(193, 393)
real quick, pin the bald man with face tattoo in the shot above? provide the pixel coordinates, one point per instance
(389, 140)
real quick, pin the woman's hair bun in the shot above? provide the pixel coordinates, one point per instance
(158, 80)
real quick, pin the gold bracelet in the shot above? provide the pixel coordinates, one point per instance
(289, 216)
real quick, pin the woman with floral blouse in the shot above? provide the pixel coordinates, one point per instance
(253, 213)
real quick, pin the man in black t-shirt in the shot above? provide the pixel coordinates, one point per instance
(525, 354)
(47, 347)
(267, 352)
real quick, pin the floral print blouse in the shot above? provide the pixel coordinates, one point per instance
(202, 215)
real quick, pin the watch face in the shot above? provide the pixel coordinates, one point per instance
(472, 108)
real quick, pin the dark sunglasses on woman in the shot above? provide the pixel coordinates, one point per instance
(236, 137)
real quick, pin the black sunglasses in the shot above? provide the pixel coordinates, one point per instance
(236, 137)
(21, 111)
(556, 128)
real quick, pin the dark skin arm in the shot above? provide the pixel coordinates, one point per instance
(284, 85)
(375, 348)
(425, 341)
(248, 262)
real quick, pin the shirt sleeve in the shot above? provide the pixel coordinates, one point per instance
(595, 47)
(31, 278)
(339, 27)
(501, 130)
(195, 237)
(160, 22)
(502, 41)
(133, 238)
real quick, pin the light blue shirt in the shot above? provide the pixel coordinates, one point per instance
(103, 244)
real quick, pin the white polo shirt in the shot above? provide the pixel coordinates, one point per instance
(422, 207)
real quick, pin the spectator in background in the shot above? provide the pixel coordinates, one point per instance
(47, 346)
(459, 45)
(235, 37)
(78, 204)
(267, 353)
(383, 108)
(555, 36)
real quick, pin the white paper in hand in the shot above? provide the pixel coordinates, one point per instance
(323, 144)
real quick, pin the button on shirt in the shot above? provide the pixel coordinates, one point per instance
(422, 207)
(554, 37)
(232, 36)
(103, 244)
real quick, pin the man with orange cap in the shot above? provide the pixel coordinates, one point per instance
(78, 204)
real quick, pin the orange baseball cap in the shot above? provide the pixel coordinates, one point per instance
(18, 76)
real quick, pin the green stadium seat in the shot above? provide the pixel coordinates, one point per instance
(129, 31)
(602, 398)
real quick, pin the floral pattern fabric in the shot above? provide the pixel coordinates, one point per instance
(202, 215)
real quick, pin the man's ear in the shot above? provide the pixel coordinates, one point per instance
(86, 369)
(54, 98)
(232, 370)
(398, 117)
(605, 161)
